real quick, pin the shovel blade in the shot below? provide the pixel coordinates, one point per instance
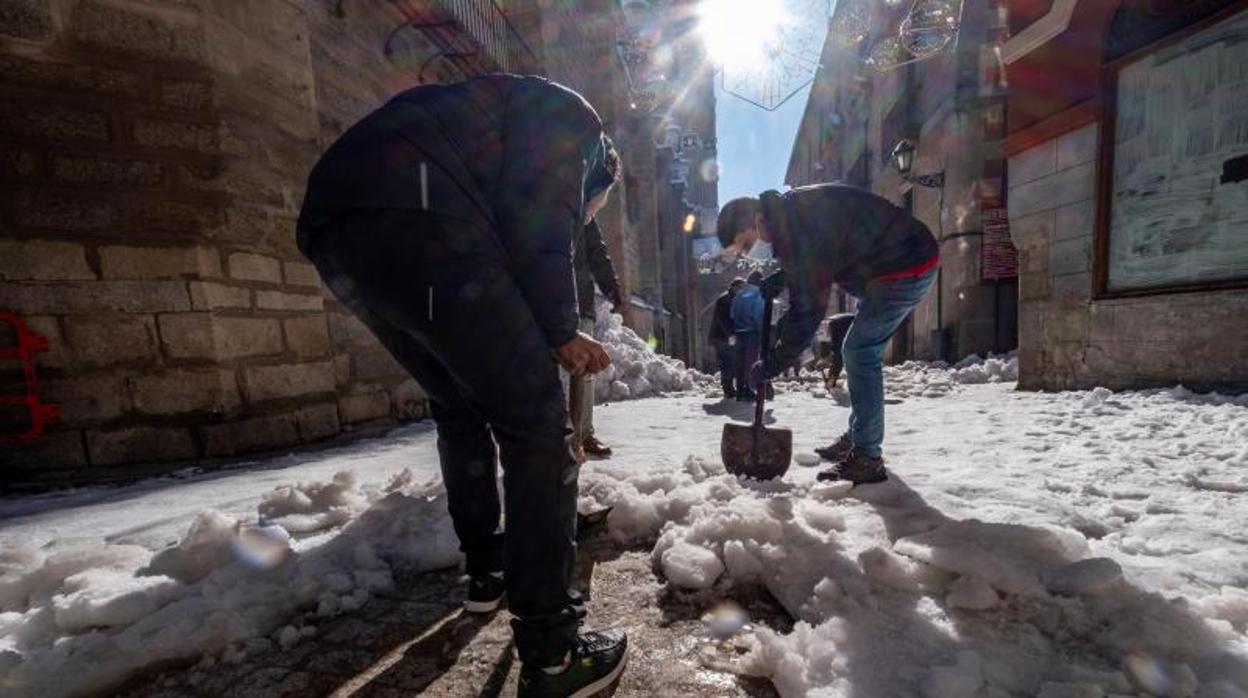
(756, 451)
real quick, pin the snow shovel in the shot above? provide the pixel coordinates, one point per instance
(755, 450)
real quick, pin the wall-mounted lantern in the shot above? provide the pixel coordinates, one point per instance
(903, 160)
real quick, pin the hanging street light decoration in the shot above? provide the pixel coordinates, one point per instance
(766, 50)
(927, 29)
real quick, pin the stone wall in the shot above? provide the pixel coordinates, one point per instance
(152, 160)
(1070, 339)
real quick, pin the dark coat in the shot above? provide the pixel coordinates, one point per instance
(593, 266)
(721, 320)
(828, 234)
(511, 155)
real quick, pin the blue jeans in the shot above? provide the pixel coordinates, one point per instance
(881, 309)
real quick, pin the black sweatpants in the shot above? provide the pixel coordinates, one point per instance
(434, 290)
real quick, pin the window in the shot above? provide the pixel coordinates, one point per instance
(1176, 167)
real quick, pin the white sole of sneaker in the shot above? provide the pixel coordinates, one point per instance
(605, 681)
(482, 606)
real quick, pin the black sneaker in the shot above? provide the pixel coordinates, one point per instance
(597, 659)
(485, 592)
(838, 451)
(858, 469)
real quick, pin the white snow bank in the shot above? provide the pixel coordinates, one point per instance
(82, 616)
(914, 379)
(636, 370)
(894, 598)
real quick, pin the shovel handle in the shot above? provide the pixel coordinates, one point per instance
(763, 349)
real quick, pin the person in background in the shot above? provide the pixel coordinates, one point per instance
(593, 267)
(721, 336)
(828, 234)
(445, 221)
(831, 359)
(747, 324)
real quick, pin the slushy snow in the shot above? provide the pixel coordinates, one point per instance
(636, 370)
(1071, 544)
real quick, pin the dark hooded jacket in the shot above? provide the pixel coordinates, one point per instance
(593, 266)
(828, 234)
(513, 155)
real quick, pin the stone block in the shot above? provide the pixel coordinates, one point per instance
(241, 185)
(410, 400)
(213, 336)
(82, 169)
(307, 337)
(346, 331)
(301, 274)
(181, 391)
(1075, 220)
(1077, 147)
(159, 262)
(187, 135)
(246, 266)
(1070, 256)
(70, 77)
(278, 300)
(318, 421)
(342, 370)
(25, 19)
(363, 407)
(249, 435)
(43, 260)
(44, 121)
(87, 398)
(374, 363)
(88, 296)
(1066, 187)
(1071, 287)
(49, 326)
(207, 295)
(139, 30)
(1031, 230)
(1034, 163)
(139, 444)
(17, 164)
(186, 94)
(108, 339)
(288, 380)
(52, 450)
(1033, 287)
(61, 211)
(183, 219)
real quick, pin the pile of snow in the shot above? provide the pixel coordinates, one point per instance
(76, 617)
(893, 598)
(636, 370)
(914, 379)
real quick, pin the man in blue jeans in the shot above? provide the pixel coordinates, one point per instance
(835, 234)
(747, 327)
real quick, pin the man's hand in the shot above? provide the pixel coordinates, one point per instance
(581, 355)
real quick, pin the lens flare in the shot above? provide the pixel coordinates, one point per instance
(743, 33)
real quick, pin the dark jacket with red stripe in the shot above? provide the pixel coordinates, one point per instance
(827, 234)
(512, 155)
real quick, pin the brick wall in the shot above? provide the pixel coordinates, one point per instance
(1069, 340)
(152, 157)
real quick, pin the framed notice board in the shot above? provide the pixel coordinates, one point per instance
(1174, 187)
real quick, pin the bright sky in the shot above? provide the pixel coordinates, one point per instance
(754, 145)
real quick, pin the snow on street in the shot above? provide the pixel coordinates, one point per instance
(1071, 544)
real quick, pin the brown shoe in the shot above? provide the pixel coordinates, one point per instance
(838, 451)
(594, 447)
(858, 469)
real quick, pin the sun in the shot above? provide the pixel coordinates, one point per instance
(743, 34)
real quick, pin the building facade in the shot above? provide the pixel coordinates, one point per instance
(951, 108)
(1128, 170)
(152, 161)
